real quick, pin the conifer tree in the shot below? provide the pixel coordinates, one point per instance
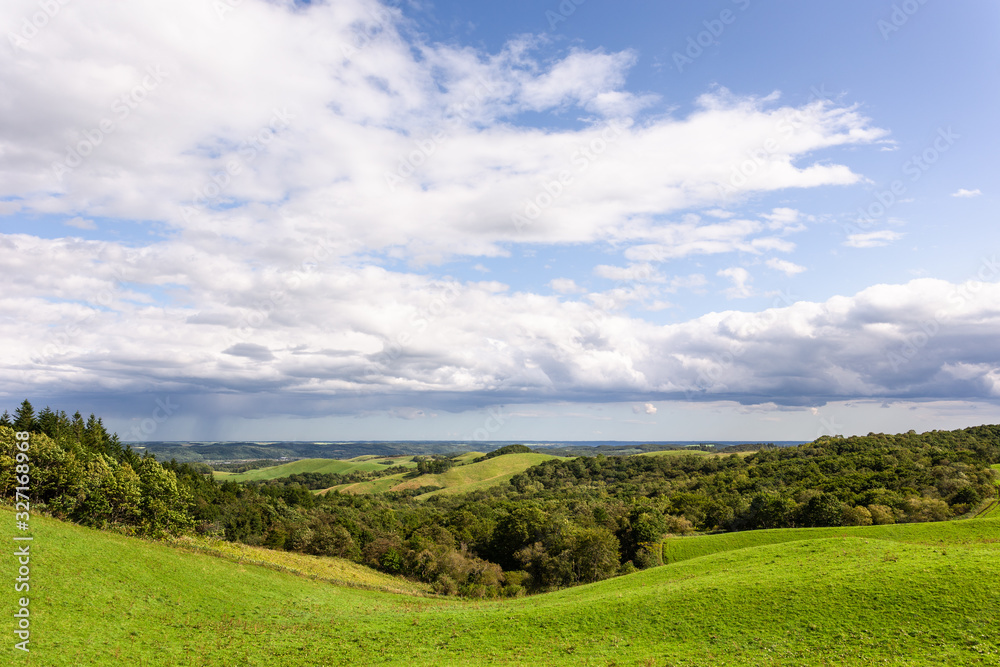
(24, 418)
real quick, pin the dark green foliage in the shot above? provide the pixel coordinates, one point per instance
(24, 418)
(434, 466)
(509, 449)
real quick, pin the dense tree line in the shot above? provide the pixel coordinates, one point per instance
(557, 524)
(80, 472)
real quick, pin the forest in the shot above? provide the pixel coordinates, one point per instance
(561, 523)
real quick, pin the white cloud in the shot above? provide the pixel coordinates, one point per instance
(392, 151)
(647, 408)
(962, 192)
(872, 239)
(337, 339)
(283, 172)
(786, 267)
(741, 278)
(565, 286)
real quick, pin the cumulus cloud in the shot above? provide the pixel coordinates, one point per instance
(349, 132)
(872, 239)
(786, 267)
(962, 192)
(741, 279)
(646, 408)
(565, 286)
(285, 155)
(335, 338)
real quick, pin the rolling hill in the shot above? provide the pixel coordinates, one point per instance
(460, 479)
(919, 594)
(337, 466)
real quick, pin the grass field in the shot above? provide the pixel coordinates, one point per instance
(912, 596)
(675, 452)
(342, 467)
(459, 479)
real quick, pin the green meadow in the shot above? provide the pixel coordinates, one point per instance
(336, 466)
(460, 479)
(915, 594)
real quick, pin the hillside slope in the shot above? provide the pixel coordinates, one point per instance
(459, 479)
(104, 599)
(337, 466)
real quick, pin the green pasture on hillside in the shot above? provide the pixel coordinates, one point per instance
(460, 479)
(337, 466)
(921, 594)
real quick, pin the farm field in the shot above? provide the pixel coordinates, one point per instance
(460, 479)
(357, 464)
(919, 594)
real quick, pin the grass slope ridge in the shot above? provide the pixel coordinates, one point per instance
(101, 598)
(459, 479)
(321, 466)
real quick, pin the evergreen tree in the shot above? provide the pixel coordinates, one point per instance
(48, 423)
(24, 418)
(5, 419)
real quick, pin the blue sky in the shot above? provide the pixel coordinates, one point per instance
(594, 220)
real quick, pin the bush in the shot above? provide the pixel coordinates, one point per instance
(857, 516)
(881, 515)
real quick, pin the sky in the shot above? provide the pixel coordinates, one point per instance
(353, 220)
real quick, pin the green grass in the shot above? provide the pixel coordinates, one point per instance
(342, 467)
(958, 533)
(897, 599)
(675, 452)
(459, 479)
(332, 570)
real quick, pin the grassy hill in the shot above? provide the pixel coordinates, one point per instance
(919, 594)
(337, 466)
(460, 479)
(676, 452)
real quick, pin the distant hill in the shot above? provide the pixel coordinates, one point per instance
(323, 466)
(460, 479)
(202, 452)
